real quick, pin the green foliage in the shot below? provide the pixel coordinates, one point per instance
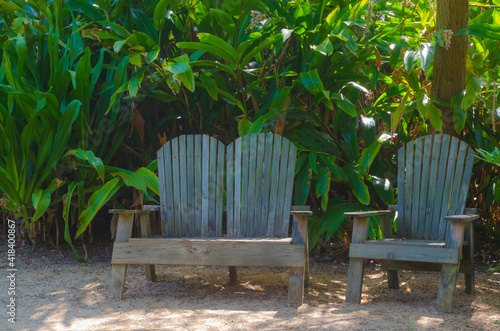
(88, 87)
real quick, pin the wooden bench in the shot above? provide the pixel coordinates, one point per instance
(256, 172)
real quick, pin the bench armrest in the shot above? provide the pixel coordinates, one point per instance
(301, 210)
(128, 211)
(462, 218)
(368, 213)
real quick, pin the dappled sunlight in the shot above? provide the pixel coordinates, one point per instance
(427, 322)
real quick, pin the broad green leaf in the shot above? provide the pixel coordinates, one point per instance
(474, 85)
(323, 185)
(384, 190)
(356, 184)
(311, 81)
(426, 54)
(302, 185)
(207, 48)
(423, 102)
(325, 48)
(89, 157)
(97, 200)
(219, 43)
(210, 85)
(410, 59)
(368, 155)
(459, 114)
(66, 208)
(160, 13)
(265, 44)
(244, 126)
(135, 83)
(435, 117)
(345, 104)
(145, 24)
(224, 20)
(398, 114)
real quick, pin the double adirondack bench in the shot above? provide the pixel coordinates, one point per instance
(256, 174)
(434, 230)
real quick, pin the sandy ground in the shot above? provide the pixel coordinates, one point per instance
(55, 292)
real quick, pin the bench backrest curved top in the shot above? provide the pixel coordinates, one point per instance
(255, 172)
(433, 179)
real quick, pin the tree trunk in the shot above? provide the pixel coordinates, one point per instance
(449, 64)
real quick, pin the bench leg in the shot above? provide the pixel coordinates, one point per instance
(118, 273)
(392, 279)
(296, 287)
(146, 233)
(447, 284)
(354, 280)
(233, 276)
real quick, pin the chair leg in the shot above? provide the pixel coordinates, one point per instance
(447, 284)
(118, 273)
(296, 287)
(392, 279)
(306, 276)
(233, 276)
(150, 272)
(354, 280)
(468, 253)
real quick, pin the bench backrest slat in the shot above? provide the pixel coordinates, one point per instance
(190, 170)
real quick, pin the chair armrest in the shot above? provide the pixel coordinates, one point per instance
(129, 211)
(301, 210)
(462, 218)
(368, 213)
(151, 208)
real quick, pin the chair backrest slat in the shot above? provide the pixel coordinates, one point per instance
(191, 170)
(433, 180)
(261, 185)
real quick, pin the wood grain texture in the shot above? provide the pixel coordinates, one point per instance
(404, 253)
(296, 286)
(224, 253)
(356, 265)
(205, 189)
(431, 190)
(445, 147)
(146, 233)
(401, 191)
(119, 272)
(417, 180)
(230, 190)
(252, 168)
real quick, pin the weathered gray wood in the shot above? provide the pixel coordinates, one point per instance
(161, 240)
(299, 236)
(245, 150)
(386, 225)
(356, 265)
(190, 186)
(464, 186)
(151, 208)
(417, 179)
(406, 221)
(450, 172)
(368, 213)
(128, 211)
(468, 253)
(401, 190)
(169, 221)
(431, 190)
(445, 147)
(230, 190)
(224, 253)
(260, 223)
(266, 186)
(457, 179)
(146, 233)
(420, 266)
(252, 165)
(220, 185)
(176, 187)
(205, 174)
(462, 218)
(237, 188)
(296, 286)
(448, 278)
(183, 186)
(273, 192)
(279, 229)
(424, 186)
(404, 253)
(212, 189)
(162, 186)
(233, 275)
(290, 173)
(407, 242)
(198, 183)
(119, 272)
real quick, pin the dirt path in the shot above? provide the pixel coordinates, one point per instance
(55, 292)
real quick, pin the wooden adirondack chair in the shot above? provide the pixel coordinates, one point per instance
(433, 179)
(258, 170)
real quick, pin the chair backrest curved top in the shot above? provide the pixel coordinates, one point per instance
(433, 179)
